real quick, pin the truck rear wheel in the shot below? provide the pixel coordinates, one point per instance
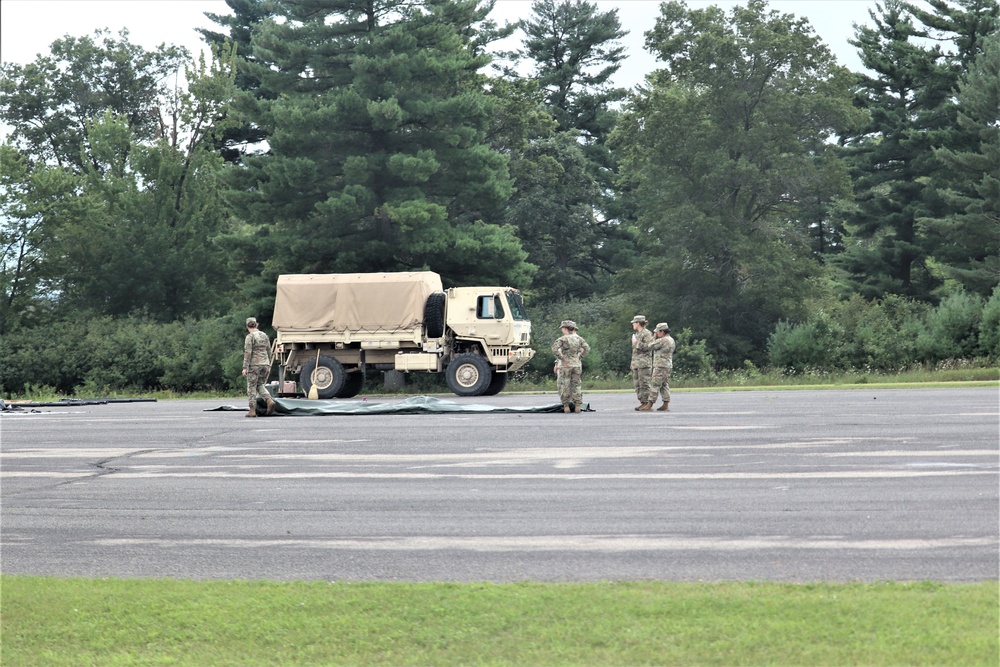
(469, 374)
(352, 385)
(434, 315)
(328, 376)
(497, 384)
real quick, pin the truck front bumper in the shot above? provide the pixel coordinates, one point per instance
(518, 358)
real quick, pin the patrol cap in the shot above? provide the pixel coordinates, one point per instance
(251, 321)
(662, 326)
(639, 319)
(568, 324)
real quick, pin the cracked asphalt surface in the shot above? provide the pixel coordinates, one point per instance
(831, 485)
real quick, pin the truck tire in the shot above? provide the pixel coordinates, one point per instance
(469, 374)
(352, 385)
(329, 376)
(497, 384)
(434, 315)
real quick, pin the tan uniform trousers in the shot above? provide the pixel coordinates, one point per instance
(256, 379)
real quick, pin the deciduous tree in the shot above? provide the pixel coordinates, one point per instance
(49, 102)
(725, 152)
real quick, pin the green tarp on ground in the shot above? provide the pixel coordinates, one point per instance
(415, 405)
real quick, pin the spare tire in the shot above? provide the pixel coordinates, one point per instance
(434, 315)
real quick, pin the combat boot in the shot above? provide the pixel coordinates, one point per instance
(576, 407)
(566, 407)
(270, 405)
(639, 407)
(645, 407)
(251, 413)
(665, 407)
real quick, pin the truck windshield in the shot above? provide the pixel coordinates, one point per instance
(516, 305)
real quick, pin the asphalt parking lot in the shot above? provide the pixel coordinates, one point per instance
(832, 485)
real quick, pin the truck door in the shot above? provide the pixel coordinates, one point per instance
(494, 323)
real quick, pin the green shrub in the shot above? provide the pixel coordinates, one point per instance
(989, 327)
(851, 334)
(878, 334)
(691, 357)
(124, 353)
(951, 331)
(208, 354)
(812, 344)
(43, 356)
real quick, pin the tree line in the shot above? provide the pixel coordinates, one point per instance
(775, 208)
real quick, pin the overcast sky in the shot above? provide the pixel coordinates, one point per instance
(28, 27)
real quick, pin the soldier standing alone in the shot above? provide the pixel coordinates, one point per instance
(570, 349)
(257, 366)
(663, 365)
(642, 363)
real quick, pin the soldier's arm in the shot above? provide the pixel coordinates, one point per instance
(247, 351)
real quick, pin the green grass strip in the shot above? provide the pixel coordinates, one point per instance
(108, 622)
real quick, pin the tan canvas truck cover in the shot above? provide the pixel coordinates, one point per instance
(355, 302)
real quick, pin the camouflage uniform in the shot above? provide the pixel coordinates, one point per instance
(569, 351)
(257, 366)
(642, 364)
(663, 366)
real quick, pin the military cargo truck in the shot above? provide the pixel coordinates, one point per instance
(332, 328)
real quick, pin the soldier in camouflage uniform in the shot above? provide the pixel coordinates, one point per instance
(662, 348)
(570, 349)
(642, 363)
(257, 366)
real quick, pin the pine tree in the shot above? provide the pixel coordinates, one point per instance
(898, 177)
(565, 207)
(576, 51)
(246, 17)
(956, 250)
(970, 181)
(378, 158)
(891, 158)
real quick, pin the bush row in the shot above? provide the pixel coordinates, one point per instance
(889, 335)
(95, 356)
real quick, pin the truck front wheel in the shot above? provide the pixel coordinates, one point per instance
(469, 375)
(326, 373)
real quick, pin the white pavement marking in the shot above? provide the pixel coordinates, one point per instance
(600, 543)
(832, 474)
(56, 475)
(720, 428)
(67, 452)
